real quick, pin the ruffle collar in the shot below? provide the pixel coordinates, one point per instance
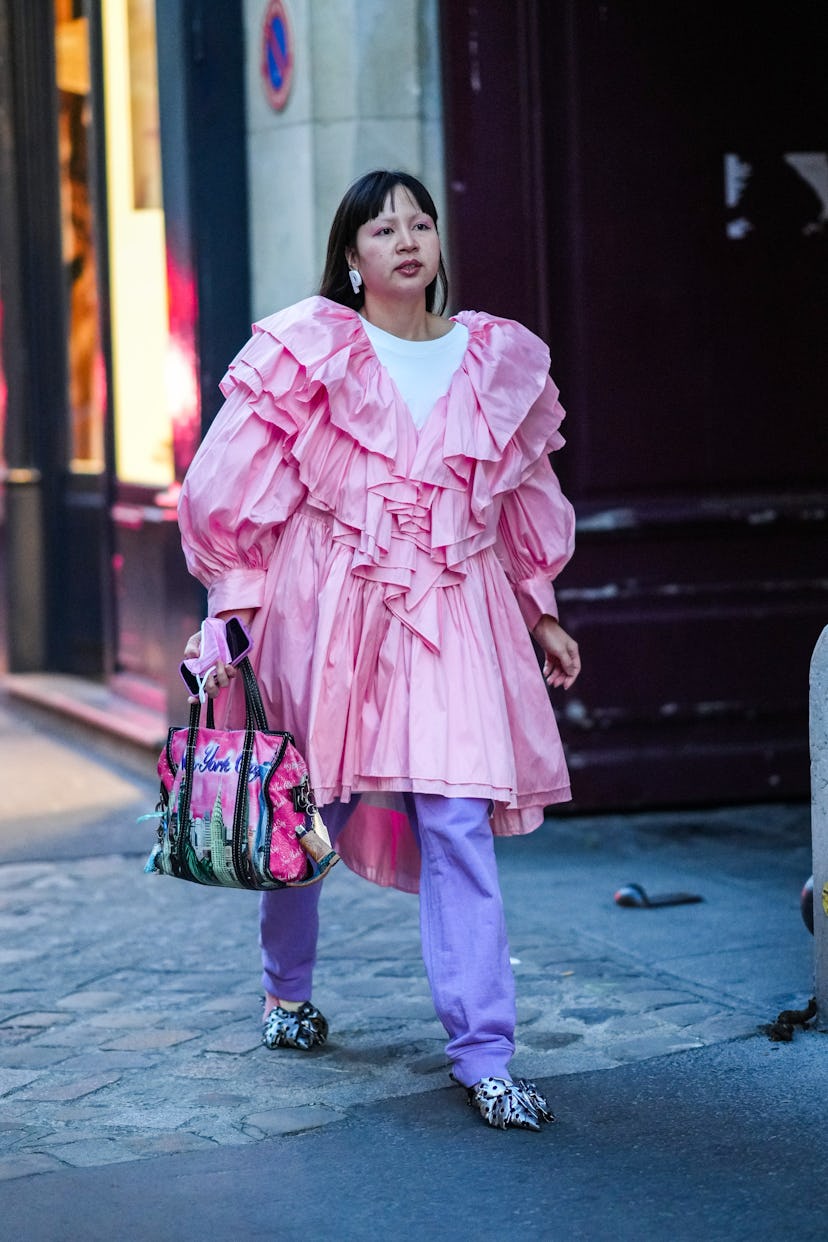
(503, 373)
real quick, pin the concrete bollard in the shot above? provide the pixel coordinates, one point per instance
(819, 820)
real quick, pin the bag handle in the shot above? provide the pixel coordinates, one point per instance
(254, 707)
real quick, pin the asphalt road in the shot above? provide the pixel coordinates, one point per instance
(715, 1145)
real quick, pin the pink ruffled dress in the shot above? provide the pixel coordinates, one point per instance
(395, 571)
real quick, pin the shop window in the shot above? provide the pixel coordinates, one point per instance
(86, 373)
(143, 104)
(137, 251)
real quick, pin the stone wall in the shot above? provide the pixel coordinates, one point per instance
(365, 94)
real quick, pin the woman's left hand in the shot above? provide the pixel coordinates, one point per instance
(563, 663)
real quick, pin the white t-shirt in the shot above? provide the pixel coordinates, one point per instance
(421, 370)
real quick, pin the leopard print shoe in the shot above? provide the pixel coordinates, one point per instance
(304, 1029)
(502, 1103)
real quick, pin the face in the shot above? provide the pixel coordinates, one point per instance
(398, 252)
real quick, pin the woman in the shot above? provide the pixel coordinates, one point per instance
(375, 501)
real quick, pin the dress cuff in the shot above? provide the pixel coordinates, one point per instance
(536, 598)
(237, 588)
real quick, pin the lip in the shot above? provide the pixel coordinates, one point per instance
(409, 268)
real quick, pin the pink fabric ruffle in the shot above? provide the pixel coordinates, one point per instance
(394, 571)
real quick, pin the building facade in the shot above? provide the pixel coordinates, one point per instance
(627, 179)
(160, 188)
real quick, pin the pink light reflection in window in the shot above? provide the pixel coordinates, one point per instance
(181, 366)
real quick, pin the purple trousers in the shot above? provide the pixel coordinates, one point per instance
(463, 932)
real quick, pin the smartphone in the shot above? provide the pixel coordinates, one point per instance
(238, 639)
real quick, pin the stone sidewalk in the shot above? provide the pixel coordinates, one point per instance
(129, 1009)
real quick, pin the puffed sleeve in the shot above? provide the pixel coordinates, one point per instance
(241, 487)
(536, 538)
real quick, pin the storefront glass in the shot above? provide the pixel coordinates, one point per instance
(137, 252)
(86, 372)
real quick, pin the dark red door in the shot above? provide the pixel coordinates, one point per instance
(662, 168)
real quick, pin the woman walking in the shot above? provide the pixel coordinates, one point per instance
(375, 501)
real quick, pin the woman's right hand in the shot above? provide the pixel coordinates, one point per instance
(193, 647)
(218, 680)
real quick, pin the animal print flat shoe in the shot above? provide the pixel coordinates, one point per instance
(304, 1029)
(502, 1103)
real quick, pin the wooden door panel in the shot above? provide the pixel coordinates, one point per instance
(678, 158)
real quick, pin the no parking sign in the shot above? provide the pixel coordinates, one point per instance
(277, 54)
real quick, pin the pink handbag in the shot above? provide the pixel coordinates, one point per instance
(236, 806)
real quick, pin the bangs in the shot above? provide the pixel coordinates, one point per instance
(369, 199)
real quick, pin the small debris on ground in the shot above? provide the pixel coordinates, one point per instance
(781, 1031)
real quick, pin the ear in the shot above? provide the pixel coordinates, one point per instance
(350, 256)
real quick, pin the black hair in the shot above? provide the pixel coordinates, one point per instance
(363, 201)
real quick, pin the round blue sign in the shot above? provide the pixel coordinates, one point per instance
(277, 54)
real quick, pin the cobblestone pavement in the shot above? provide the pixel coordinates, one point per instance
(129, 1014)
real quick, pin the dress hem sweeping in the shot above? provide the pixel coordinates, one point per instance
(445, 789)
(394, 567)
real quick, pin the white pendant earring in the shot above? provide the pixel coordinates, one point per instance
(355, 279)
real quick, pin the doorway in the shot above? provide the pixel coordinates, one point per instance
(666, 200)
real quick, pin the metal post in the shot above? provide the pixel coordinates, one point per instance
(819, 820)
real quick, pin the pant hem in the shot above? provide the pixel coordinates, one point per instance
(470, 1070)
(285, 991)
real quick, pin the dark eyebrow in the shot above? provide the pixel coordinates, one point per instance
(383, 216)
